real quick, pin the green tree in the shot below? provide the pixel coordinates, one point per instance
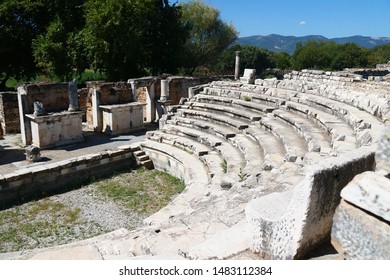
(282, 60)
(209, 35)
(378, 55)
(250, 57)
(164, 36)
(133, 38)
(59, 51)
(349, 55)
(20, 22)
(313, 55)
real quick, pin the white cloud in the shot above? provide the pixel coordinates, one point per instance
(302, 22)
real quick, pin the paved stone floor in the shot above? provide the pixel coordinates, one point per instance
(12, 154)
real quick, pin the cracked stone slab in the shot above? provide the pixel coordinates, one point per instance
(371, 192)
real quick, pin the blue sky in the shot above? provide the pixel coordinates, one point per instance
(330, 18)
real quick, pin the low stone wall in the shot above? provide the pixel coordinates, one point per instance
(9, 113)
(29, 183)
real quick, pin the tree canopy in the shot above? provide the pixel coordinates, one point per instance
(130, 38)
(208, 35)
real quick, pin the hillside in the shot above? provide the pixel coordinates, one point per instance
(280, 43)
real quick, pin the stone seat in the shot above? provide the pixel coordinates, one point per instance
(273, 150)
(188, 163)
(243, 93)
(315, 136)
(204, 125)
(252, 152)
(234, 159)
(362, 121)
(286, 225)
(235, 102)
(294, 144)
(227, 110)
(202, 137)
(185, 143)
(214, 117)
(343, 136)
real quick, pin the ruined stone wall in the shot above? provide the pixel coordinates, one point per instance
(178, 86)
(110, 94)
(54, 97)
(9, 113)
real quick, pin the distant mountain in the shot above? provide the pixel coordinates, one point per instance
(280, 43)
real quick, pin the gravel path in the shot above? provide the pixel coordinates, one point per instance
(97, 209)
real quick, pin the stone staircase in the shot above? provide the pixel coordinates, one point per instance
(235, 146)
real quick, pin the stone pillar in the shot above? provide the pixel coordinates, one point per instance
(237, 68)
(25, 124)
(191, 92)
(96, 111)
(164, 90)
(150, 104)
(73, 98)
(133, 91)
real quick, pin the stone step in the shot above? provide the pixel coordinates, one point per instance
(138, 153)
(273, 149)
(204, 125)
(185, 143)
(252, 152)
(294, 144)
(202, 137)
(359, 119)
(214, 117)
(247, 103)
(316, 137)
(243, 93)
(338, 129)
(148, 164)
(226, 110)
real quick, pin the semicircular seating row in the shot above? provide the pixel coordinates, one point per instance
(232, 144)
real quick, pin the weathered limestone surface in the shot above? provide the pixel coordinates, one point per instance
(361, 226)
(371, 192)
(360, 236)
(382, 156)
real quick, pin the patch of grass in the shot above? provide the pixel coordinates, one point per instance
(240, 175)
(142, 191)
(247, 98)
(40, 224)
(224, 166)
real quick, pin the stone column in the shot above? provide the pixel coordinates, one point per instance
(191, 92)
(237, 68)
(96, 111)
(164, 90)
(150, 103)
(25, 124)
(73, 98)
(133, 91)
